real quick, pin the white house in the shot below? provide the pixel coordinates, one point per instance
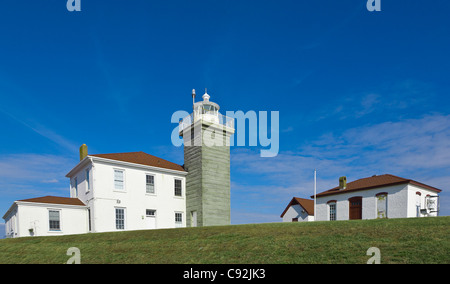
(130, 191)
(46, 216)
(383, 196)
(299, 209)
(108, 192)
(138, 191)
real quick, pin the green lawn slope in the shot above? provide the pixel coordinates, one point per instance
(413, 240)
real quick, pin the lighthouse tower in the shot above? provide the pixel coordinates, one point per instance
(206, 135)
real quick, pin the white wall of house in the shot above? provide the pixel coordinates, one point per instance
(11, 229)
(417, 200)
(35, 216)
(297, 211)
(402, 202)
(397, 199)
(103, 198)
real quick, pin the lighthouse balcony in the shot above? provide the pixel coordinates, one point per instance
(209, 118)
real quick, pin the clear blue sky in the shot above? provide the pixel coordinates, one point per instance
(358, 93)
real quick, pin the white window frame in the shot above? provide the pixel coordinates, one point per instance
(330, 216)
(175, 188)
(124, 218)
(178, 223)
(150, 215)
(154, 184)
(123, 180)
(60, 219)
(87, 172)
(75, 186)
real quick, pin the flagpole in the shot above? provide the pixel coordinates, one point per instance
(315, 186)
(193, 98)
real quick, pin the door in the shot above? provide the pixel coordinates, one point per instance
(355, 205)
(193, 218)
(151, 218)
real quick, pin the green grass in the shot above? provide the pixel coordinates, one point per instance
(414, 240)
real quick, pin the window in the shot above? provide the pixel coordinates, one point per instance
(118, 180)
(120, 218)
(150, 213)
(88, 180)
(432, 203)
(54, 220)
(76, 187)
(418, 203)
(150, 184)
(178, 219)
(332, 211)
(381, 204)
(178, 191)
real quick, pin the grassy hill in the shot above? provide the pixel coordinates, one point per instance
(415, 240)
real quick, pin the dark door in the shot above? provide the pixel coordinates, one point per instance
(355, 204)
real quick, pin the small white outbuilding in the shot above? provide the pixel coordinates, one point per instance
(299, 209)
(46, 216)
(378, 196)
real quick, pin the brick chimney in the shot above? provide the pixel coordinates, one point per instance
(342, 183)
(83, 151)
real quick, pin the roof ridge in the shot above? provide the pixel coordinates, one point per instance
(119, 153)
(134, 153)
(141, 158)
(396, 176)
(374, 182)
(303, 198)
(309, 207)
(54, 200)
(49, 196)
(377, 176)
